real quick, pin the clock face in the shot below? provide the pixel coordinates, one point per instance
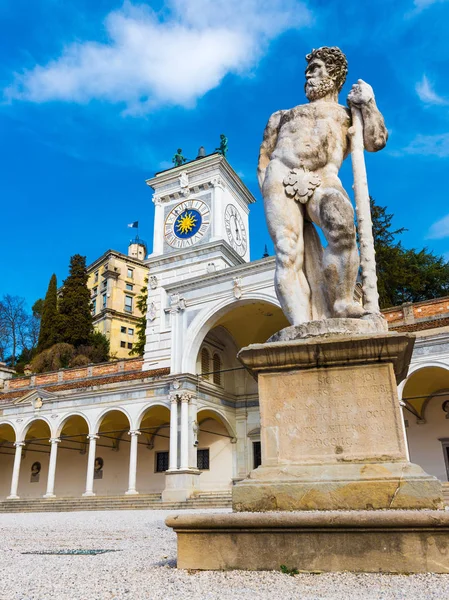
(186, 224)
(235, 229)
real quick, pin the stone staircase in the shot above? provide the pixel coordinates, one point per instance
(221, 499)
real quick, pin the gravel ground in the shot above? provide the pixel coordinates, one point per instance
(144, 566)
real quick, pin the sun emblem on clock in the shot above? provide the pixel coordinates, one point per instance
(186, 222)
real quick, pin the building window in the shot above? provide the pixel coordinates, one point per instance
(105, 300)
(130, 346)
(161, 462)
(96, 276)
(205, 363)
(105, 284)
(257, 455)
(130, 273)
(217, 369)
(129, 304)
(122, 329)
(94, 306)
(122, 344)
(129, 287)
(94, 291)
(445, 444)
(130, 331)
(203, 459)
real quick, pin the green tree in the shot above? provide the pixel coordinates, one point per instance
(75, 316)
(404, 275)
(141, 303)
(48, 333)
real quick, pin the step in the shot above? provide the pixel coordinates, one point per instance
(138, 502)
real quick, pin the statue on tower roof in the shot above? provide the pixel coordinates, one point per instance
(223, 148)
(178, 159)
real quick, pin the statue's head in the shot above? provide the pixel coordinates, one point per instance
(179, 150)
(325, 73)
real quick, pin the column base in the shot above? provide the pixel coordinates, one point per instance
(49, 496)
(89, 494)
(131, 493)
(13, 497)
(180, 485)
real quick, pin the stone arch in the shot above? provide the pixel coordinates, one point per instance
(32, 420)
(62, 422)
(230, 429)
(208, 318)
(11, 424)
(7, 452)
(102, 415)
(148, 407)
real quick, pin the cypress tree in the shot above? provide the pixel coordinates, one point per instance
(48, 333)
(75, 305)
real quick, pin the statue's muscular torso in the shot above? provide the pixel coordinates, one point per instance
(313, 135)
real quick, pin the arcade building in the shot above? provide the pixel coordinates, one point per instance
(183, 421)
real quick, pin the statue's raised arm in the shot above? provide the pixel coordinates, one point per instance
(375, 133)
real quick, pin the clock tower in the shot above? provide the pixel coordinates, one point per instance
(201, 205)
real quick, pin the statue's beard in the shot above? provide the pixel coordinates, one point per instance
(320, 89)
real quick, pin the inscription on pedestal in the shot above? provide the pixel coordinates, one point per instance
(328, 415)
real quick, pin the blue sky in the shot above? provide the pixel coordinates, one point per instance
(97, 96)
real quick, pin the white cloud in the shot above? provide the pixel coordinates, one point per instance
(427, 94)
(423, 4)
(429, 145)
(440, 229)
(148, 61)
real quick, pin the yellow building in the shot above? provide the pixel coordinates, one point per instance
(115, 281)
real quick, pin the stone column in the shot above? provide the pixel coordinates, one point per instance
(133, 463)
(173, 455)
(193, 433)
(16, 471)
(91, 464)
(52, 468)
(185, 399)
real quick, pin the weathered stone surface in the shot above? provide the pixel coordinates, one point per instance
(359, 541)
(331, 327)
(331, 428)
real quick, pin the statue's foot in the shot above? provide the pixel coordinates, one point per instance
(349, 310)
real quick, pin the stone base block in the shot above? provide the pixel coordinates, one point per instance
(359, 541)
(364, 486)
(180, 485)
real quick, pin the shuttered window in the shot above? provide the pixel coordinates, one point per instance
(205, 363)
(217, 369)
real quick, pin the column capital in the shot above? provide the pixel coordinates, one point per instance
(187, 396)
(134, 432)
(174, 397)
(19, 444)
(92, 436)
(54, 440)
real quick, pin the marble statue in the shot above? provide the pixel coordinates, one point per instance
(302, 151)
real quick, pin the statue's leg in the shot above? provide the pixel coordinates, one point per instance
(332, 210)
(285, 221)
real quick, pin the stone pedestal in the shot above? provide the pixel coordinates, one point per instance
(334, 464)
(332, 432)
(180, 485)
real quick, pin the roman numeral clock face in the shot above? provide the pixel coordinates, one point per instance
(235, 230)
(187, 223)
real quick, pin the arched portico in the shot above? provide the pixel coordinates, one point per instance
(216, 450)
(7, 453)
(426, 397)
(71, 466)
(153, 448)
(250, 320)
